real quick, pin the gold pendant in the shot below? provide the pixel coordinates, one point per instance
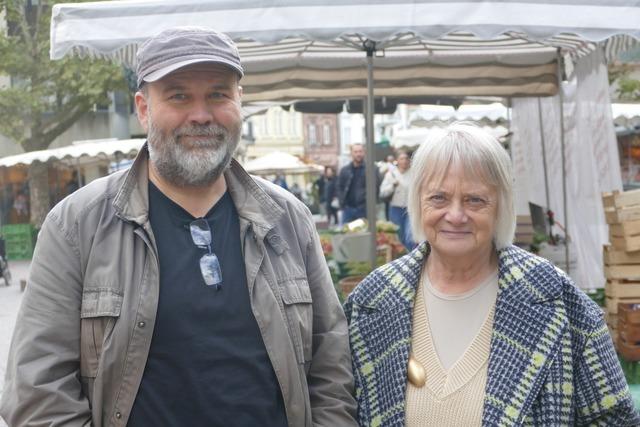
(416, 373)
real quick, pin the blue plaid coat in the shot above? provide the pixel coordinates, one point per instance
(552, 361)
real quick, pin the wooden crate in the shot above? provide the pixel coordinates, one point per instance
(622, 289)
(614, 256)
(621, 207)
(524, 229)
(629, 313)
(630, 333)
(629, 352)
(612, 303)
(625, 235)
(630, 272)
(621, 199)
(615, 216)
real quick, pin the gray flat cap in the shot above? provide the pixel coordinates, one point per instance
(181, 46)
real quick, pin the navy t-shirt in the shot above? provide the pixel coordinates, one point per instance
(207, 365)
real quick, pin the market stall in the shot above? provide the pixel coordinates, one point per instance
(423, 48)
(69, 168)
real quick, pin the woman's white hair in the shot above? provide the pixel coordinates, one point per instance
(481, 156)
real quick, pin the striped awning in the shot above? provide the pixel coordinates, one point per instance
(314, 49)
(96, 148)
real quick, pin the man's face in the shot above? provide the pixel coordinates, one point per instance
(357, 153)
(193, 122)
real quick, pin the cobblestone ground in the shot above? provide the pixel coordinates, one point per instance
(10, 298)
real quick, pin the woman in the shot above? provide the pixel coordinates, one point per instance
(468, 329)
(330, 195)
(396, 185)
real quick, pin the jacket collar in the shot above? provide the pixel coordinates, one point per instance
(253, 204)
(403, 276)
(132, 199)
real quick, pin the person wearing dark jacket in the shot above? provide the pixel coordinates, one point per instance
(352, 186)
(327, 189)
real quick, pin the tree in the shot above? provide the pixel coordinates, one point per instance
(45, 97)
(628, 88)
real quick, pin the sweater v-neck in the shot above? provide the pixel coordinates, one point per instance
(443, 383)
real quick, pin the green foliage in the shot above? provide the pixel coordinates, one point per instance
(628, 87)
(538, 239)
(45, 97)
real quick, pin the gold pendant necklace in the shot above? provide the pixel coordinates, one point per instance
(416, 372)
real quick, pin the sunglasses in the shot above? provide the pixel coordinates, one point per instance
(209, 264)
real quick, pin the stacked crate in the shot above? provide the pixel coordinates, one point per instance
(622, 261)
(628, 342)
(524, 231)
(19, 240)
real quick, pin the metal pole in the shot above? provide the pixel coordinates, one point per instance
(564, 166)
(370, 169)
(544, 156)
(509, 147)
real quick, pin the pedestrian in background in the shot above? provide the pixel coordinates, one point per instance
(182, 291)
(281, 182)
(395, 187)
(385, 167)
(330, 195)
(352, 191)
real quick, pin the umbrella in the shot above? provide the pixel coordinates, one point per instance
(278, 162)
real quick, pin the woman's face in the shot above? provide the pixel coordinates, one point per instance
(404, 161)
(459, 215)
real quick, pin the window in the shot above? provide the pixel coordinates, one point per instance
(326, 134)
(312, 134)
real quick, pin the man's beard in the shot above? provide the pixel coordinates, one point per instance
(201, 162)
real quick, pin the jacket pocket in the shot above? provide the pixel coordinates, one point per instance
(298, 308)
(99, 311)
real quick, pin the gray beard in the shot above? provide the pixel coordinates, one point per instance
(199, 165)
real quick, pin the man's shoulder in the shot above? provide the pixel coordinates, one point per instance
(282, 197)
(346, 169)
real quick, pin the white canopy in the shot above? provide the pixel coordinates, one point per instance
(415, 136)
(423, 47)
(105, 147)
(279, 162)
(485, 113)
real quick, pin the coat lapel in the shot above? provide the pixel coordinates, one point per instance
(383, 316)
(528, 325)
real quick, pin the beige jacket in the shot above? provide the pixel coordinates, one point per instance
(85, 325)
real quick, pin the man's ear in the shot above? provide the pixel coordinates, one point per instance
(240, 93)
(142, 109)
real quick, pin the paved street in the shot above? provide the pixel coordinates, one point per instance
(10, 298)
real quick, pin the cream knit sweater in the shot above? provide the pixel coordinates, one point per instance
(449, 398)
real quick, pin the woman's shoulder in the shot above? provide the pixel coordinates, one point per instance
(549, 282)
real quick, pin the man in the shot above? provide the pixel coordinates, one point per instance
(352, 191)
(182, 292)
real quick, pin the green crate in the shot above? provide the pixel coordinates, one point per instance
(17, 230)
(24, 255)
(19, 240)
